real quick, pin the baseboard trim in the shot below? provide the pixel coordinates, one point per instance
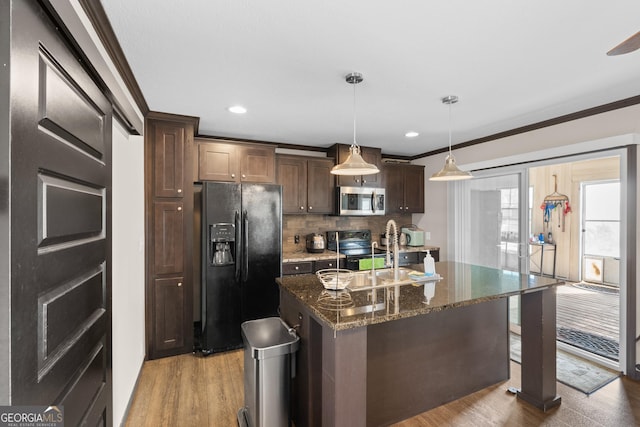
(125, 415)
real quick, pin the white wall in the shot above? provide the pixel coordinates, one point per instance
(128, 266)
(601, 131)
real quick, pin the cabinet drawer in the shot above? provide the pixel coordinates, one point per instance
(297, 267)
(327, 263)
(435, 254)
(407, 258)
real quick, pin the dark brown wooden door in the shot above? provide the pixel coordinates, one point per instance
(218, 162)
(394, 188)
(169, 159)
(61, 226)
(320, 187)
(374, 157)
(292, 175)
(168, 231)
(414, 189)
(371, 155)
(170, 314)
(257, 164)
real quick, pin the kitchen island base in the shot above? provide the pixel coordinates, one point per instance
(395, 370)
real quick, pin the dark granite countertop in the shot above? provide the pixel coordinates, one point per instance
(461, 285)
(406, 248)
(302, 256)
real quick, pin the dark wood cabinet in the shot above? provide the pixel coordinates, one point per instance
(169, 237)
(307, 184)
(435, 254)
(170, 322)
(328, 263)
(306, 267)
(235, 162)
(168, 159)
(168, 232)
(404, 185)
(407, 258)
(370, 155)
(298, 267)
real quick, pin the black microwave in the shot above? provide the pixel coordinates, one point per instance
(360, 201)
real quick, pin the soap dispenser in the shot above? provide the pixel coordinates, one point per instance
(429, 265)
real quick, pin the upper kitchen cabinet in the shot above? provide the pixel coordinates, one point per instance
(235, 162)
(404, 184)
(168, 158)
(370, 155)
(307, 184)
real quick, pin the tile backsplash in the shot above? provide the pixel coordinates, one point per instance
(302, 225)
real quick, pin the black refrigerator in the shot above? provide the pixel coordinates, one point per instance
(241, 258)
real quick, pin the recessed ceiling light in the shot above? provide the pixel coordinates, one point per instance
(237, 109)
(411, 134)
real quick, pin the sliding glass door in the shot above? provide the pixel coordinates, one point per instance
(491, 225)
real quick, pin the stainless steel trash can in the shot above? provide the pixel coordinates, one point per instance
(269, 364)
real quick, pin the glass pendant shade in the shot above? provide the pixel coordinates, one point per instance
(355, 164)
(450, 171)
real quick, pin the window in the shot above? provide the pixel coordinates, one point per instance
(602, 219)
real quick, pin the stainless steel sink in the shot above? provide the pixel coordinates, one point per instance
(363, 280)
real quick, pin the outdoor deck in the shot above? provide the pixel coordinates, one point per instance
(589, 319)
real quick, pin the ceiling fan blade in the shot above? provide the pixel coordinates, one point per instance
(629, 45)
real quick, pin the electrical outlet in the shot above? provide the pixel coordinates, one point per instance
(427, 235)
(296, 239)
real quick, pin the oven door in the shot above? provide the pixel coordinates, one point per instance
(360, 201)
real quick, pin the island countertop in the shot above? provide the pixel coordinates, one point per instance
(461, 285)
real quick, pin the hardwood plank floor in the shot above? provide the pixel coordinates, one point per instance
(194, 391)
(589, 311)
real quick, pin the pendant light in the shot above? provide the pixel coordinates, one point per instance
(355, 164)
(450, 172)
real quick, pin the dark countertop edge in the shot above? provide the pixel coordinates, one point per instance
(308, 256)
(360, 323)
(408, 248)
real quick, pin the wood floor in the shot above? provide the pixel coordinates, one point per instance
(194, 391)
(590, 311)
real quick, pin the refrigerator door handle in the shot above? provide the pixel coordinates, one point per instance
(245, 246)
(239, 254)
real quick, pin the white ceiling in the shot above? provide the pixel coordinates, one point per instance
(511, 62)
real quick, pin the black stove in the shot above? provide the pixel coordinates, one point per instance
(356, 245)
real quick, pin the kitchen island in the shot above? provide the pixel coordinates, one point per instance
(368, 360)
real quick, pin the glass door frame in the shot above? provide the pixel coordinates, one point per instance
(629, 297)
(459, 205)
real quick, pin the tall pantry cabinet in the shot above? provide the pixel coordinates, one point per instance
(169, 233)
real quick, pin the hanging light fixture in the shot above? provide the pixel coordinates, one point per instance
(355, 164)
(450, 172)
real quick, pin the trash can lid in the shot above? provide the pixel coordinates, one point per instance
(269, 337)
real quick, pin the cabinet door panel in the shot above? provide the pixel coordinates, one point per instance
(414, 189)
(320, 187)
(218, 162)
(292, 175)
(257, 164)
(168, 159)
(168, 225)
(169, 324)
(394, 186)
(373, 156)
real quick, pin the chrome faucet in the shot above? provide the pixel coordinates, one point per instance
(396, 271)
